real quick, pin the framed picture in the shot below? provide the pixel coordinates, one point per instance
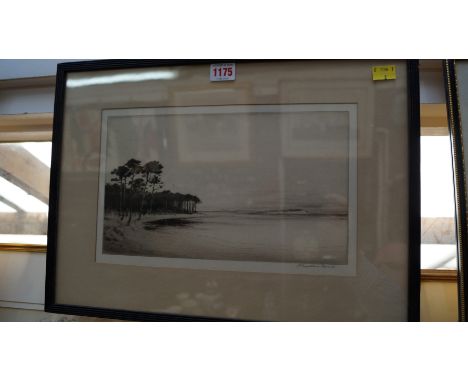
(290, 193)
(456, 86)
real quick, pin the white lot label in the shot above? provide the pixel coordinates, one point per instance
(222, 72)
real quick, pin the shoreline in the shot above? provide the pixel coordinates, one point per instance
(300, 238)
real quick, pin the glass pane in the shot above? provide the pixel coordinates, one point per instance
(24, 192)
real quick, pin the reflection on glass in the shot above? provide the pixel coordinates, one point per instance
(24, 188)
(127, 77)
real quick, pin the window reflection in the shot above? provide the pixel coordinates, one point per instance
(24, 188)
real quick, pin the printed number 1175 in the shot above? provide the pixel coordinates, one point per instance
(223, 72)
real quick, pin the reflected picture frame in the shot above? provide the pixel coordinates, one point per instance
(457, 131)
(290, 146)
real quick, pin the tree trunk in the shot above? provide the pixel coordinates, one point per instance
(124, 196)
(141, 207)
(130, 212)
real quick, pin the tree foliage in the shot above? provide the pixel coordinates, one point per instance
(137, 189)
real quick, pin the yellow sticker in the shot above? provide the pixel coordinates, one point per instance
(387, 72)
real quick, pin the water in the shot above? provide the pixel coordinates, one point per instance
(273, 237)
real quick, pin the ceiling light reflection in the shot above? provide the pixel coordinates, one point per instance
(124, 77)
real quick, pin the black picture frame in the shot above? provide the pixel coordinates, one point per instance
(459, 179)
(413, 309)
